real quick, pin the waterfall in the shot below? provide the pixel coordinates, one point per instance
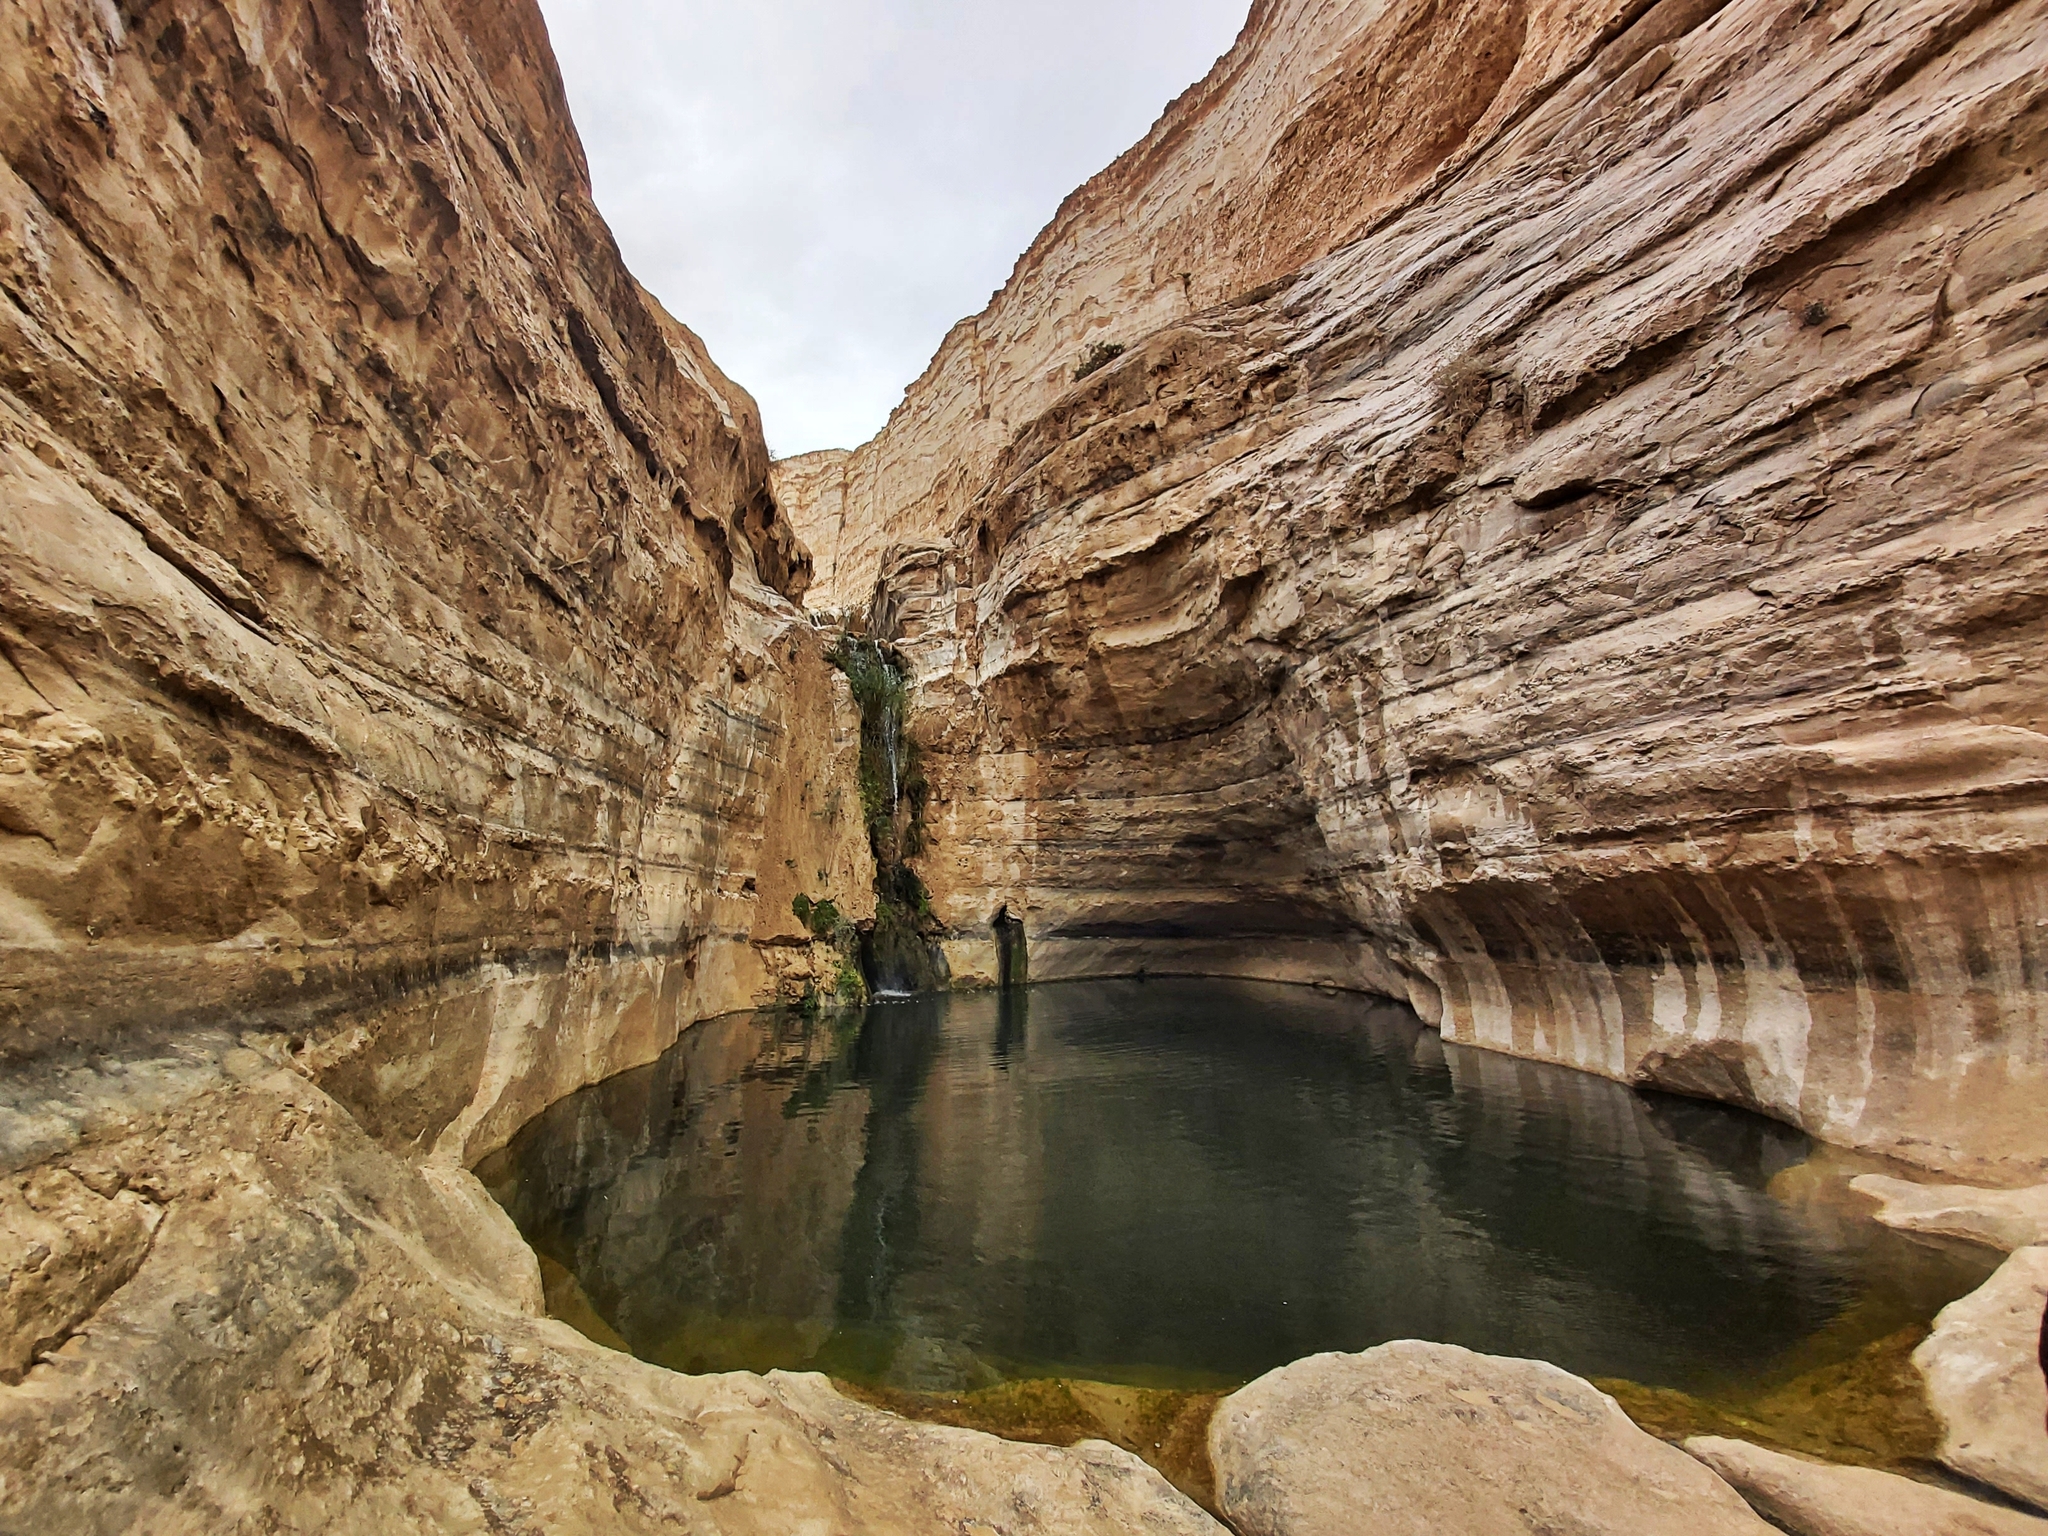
(891, 718)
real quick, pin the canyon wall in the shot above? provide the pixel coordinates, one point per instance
(1563, 544)
(390, 590)
(404, 720)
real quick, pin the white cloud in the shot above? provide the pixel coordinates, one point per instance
(821, 189)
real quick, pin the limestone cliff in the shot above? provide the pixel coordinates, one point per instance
(404, 720)
(1563, 544)
(388, 586)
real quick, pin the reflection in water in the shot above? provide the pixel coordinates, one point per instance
(1182, 1182)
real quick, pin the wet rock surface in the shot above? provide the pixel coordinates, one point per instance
(1414, 1437)
(1811, 1498)
(2000, 1218)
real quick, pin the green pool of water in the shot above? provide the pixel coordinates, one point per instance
(1185, 1183)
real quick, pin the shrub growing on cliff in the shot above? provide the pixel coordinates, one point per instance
(891, 765)
(1100, 355)
(849, 989)
(821, 917)
(893, 793)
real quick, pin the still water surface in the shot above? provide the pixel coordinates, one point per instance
(1174, 1182)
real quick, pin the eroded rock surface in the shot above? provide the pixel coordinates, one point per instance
(1811, 1498)
(1999, 1218)
(1983, 1373)
(389, 588)
(1566, 551)
(326, 1336)
(1429, 1438)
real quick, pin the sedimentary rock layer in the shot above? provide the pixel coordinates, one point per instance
(1597, 597)
(388, 586)
(404, 720)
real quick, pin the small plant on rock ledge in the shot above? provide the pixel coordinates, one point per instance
(828, 925)
(1100, 355)
(821, 917)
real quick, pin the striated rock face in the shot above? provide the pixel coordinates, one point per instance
(1563, 545)
(404, 720)
(388, 587)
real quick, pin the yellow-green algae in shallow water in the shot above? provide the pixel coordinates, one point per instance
(1168, 1429)
(1849, 1393)
(1867, 1409)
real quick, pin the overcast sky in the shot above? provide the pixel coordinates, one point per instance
(820, 188)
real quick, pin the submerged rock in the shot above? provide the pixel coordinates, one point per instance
(1811, 1498)
(1983, 1372)
(1431, 1439)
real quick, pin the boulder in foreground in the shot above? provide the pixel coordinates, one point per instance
(1984, 1382)
(1433, 1439)
(1812, 1498)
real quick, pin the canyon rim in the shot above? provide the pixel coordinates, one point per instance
(1535, 511)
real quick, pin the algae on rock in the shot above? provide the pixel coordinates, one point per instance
(845, 987)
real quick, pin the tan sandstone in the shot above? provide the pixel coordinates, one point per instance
(1590, 594)
(364, 1353)
(1561, 545)
(1811, 1498)
(404, 721)
(1430, 1438)
(1998, 1218)
(1982, 1368)
(388, 586)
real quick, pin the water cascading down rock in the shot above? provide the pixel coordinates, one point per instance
(897, 952)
